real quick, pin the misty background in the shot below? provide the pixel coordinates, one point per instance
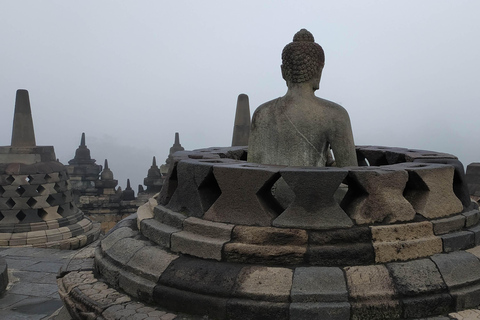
(132, 73)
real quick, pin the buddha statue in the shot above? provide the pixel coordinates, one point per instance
(300, 129)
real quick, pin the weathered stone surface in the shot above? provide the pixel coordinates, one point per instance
(266, 245)
(23, 134)
(319, 284)
(197, 188)
(458, 268)
(115, 236)
(241, 309)
(476, 232)
(446, 225)
(265, 283)
(405, 241)
(169, 217)
(472, 217)
(157, 232)
(341, 247)
(471, 314)
(473, 178)
(430, 190)
(324, 311)
(123, 250)
(201, 276)
(376, 195)
(313, 206)
(416, 277)
(246, 197)
(150, 262)
(426, 306)
(458, 241)
(372, 291)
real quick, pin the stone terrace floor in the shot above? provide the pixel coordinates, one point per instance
(32, 292)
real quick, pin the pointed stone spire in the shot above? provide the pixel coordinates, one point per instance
(154, 171)
(176, 147)
(107, 174)
(23, 134)
(106, 164)
(154, 162)
(128, 194)
(241, 127)
(82, 154)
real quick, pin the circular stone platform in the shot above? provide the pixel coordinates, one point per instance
(403, 242)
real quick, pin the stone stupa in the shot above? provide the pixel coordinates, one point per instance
(219, 243)
(36, 203)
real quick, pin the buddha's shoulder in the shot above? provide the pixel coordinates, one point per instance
(332, 107)
(267, 106)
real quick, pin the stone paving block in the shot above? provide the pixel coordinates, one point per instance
(136, 286)
(458, 268)
(324, 311)
(314, 206)
(466, 297)
(476, 232)
(197, 245)
(201, 276)
(157, 232)
(150, 262)
(246, 196)
(36, 226)
(430, 190)
(169, 217)
(266, 245)
(124, 249)
(446, 225)
(405, 241)
(471, 314)
(115, 236)
(372, 291)
(190, 302)
(376, 195)
(472, 218)
(208, 228)
(416, 277)
(458, 241)
(319, 284)
(240, 309)
(265, 283)
(475, 251)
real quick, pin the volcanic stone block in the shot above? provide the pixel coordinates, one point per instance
(264, 283)
(446, 225)
(115, 236)
(319, 284)
(201, 276)
(241, 309)
(430, 190)
(324, 311)
(246, 196)
(427, 306)
(197, 188)
(372, 291)
(376, 195)
(169, 217)
(201, 238)
(136, 286)
(405, 241)
(190, 302)
(266, 245)
(472, 217)
(458, 241)
(124, 249)
(461, 272)
(473, 178)
(157, 232)
(313, 206)
(416, 277)
(150, 262)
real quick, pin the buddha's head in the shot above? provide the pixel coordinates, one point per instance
(302, 60)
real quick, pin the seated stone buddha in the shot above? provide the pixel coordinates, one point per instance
(300, 129)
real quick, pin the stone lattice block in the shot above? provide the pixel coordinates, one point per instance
(376, 195)
(246, 196)
(405, 241)
(264, 283)
(313, 206)
(430, 190)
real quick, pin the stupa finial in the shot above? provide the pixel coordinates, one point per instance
(241, 127)
(82, 141)
(154, 162)
(23, 134)
(128, 185)
(106, 164)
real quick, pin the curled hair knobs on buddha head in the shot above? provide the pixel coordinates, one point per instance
(303, 58)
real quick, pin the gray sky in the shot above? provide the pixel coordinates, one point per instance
(131, 73)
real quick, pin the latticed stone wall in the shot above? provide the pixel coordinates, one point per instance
(36, 206)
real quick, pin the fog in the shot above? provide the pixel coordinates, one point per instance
(132, 73)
